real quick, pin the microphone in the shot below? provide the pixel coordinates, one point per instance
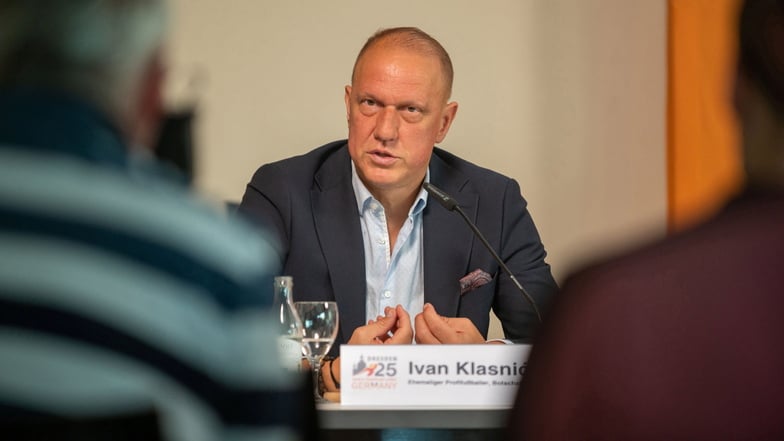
(450, 204)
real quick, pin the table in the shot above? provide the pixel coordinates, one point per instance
(336, 416)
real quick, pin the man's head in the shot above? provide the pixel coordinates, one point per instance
(417, 40)
(759, 92)
(397, 109)
(104, 51)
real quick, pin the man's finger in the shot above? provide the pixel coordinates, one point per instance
(386, 323)
(403, 319)
(423, 334)
(402, 331)
(436, 324)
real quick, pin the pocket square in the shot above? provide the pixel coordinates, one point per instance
(473, 280)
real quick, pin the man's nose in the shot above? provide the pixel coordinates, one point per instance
(387, 124)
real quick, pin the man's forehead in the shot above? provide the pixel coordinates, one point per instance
(390, 61)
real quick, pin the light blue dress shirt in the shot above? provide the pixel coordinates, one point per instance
(395, 277)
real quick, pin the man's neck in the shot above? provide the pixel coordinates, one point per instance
(397, 204)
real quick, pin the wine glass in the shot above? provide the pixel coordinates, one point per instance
(320, 323)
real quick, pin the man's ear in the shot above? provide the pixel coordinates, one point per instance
(739, 91)
(347, 99)
(447, 116)
(148, 112)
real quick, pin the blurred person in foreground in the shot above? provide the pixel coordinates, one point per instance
(681, 340)
(120, 294)
(357, 227)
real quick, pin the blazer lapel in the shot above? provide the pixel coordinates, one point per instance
(340, 237)
(447, 239)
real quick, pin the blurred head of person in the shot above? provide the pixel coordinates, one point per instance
(759, 91)
(397, 109)
(105, 52)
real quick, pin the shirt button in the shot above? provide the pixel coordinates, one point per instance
(387, 294)
(381, 241)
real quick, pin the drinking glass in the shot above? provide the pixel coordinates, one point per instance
(320, 325)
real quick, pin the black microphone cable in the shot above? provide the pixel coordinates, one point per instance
(450, 204)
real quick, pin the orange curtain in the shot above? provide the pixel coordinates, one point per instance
(704, 163)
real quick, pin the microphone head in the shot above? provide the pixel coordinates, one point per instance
(444, 199)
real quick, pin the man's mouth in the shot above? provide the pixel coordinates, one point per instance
(382, 157)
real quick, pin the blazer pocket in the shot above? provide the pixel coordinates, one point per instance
(474, 280)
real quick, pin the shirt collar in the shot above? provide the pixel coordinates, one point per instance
(364, 197)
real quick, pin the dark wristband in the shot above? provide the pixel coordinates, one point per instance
(332, 375)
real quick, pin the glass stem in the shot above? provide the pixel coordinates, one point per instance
(316, 370)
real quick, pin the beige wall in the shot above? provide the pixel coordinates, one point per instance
(566, 96)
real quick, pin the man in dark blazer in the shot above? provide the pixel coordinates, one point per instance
(309, 204)
(681, 340)
(398, 110)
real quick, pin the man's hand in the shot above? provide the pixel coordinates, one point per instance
(393, 328)
(432, 328)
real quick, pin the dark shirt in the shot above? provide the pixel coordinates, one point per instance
(681, 340)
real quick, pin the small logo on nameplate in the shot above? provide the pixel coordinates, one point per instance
(375, 372)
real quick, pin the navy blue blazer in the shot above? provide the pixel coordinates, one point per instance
(307, 202)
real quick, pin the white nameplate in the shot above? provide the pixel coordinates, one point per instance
(431, 375)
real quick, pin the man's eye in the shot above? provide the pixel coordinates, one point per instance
(368, 102)
(412, 109)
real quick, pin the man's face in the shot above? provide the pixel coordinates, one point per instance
(397, 111)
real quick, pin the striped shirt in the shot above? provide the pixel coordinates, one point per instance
(121, 293)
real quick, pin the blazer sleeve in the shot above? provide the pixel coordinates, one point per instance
(523, 252)
(266, 204)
